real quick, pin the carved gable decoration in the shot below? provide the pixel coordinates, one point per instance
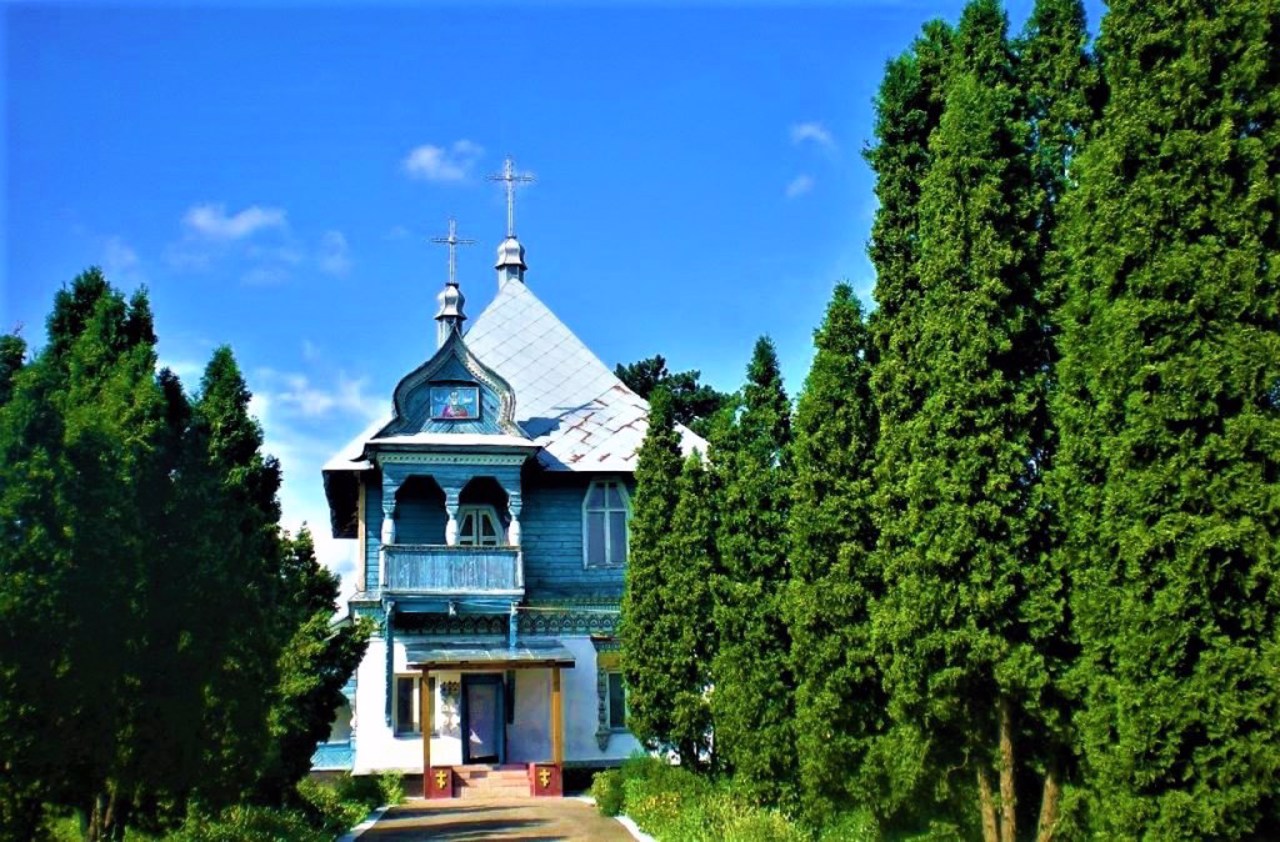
(453, 392)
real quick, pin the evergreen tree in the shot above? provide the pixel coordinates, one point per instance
(961, 536)
(13, 353)
(909, 107)
(314, 666)
(693, 403)
(645, 626)
(1168, 410)
(242, 552)
(687, 570)
(752, 702)
(80, 436)
(839, 705)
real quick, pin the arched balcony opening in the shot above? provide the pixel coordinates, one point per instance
(420, 511)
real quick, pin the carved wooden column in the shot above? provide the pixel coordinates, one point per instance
(451, 509)
(425, 718)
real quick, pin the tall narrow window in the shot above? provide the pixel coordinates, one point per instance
(617, 702)
(478, 527)
(604, 527)
(408, 701)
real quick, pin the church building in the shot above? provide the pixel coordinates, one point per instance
(491, 510)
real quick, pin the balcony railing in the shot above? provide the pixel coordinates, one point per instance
(439, 569)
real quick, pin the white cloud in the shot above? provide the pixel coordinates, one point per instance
(335, 255)
(212, 221)
(799, 185)
(814, 131)
(436, 163)
(310, 351)
(118, 257)
(300, 397)
(265, 276)
(397, 232)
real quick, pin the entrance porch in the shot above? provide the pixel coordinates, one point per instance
(486, 708)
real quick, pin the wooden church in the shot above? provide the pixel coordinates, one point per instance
(491, 510)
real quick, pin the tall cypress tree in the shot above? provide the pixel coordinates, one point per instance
(646, 620)
(959, 529)
(1169, 412)
(752, 702)
(241, 519)
(839, 705)
(687, 570)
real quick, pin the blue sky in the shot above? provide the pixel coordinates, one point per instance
(273, 175)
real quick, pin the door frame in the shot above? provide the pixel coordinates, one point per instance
(470, 680)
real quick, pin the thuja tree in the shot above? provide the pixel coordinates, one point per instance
(963, 625)
(908, 107)
(646, 622)
(688, 567)
(839, 704)
(1169, 411)
(314, 665)
(144, 600)
(753, 687)
(82, 465)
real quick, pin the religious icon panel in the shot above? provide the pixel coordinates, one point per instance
(455, 403)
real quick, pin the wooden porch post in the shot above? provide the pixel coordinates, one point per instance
(425, 719)
(557, 718)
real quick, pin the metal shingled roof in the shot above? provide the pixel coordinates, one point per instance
(568, 402)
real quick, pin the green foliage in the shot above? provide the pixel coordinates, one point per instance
(606, 789)
(673, 803)
(144, 599)
(839, 704)
(968, 622)
(693, 403)
(314, 667)
(1169, 463)
(752, 701)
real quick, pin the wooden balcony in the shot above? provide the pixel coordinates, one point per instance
(436, 569)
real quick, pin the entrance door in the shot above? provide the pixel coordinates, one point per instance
(483, 719)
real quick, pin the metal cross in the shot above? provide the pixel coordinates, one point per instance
(453, 242)
(512, 178)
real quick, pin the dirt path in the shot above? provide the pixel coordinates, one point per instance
(507, 819)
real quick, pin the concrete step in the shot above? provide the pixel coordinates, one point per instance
(505, 791)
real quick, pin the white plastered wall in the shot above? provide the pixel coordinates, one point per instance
(528, 736)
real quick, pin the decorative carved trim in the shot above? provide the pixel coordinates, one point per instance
(457, 348)
(515, 460)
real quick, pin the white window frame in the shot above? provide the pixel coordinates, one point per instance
(480, 510)
(586, 531)
(415, 728)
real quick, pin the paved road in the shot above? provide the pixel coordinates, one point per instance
(506, 819)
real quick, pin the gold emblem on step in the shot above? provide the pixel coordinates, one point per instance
(442, 778)
(544, 777)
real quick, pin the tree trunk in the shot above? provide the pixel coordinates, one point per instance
(1008, 797)
(1050, 801)
(990, 833)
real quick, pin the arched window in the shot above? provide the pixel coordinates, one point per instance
(605, 512)
(478, 527)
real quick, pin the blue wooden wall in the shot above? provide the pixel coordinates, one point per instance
(551, 523)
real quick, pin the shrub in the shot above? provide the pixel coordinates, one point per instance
(250, 824)
(390, 788)
(606, 789)
(853, 826)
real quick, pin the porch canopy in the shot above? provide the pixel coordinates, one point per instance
(497, 655)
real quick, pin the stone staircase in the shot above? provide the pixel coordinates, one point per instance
(482, 780)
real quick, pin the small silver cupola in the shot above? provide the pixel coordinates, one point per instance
(511, 265)
(449, 317)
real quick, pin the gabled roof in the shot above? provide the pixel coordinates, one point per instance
(567, 400)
